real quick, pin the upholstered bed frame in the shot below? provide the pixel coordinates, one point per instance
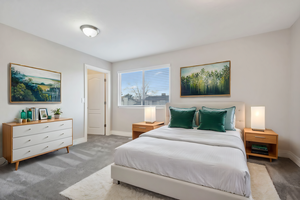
(176, 188)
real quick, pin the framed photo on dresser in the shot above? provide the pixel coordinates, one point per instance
(43, 113)
(34, 85)
(212, 79)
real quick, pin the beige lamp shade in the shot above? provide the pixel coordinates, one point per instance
(258, 118)
(150, 114)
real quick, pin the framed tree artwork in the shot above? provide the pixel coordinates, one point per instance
(213, 79)
(34, 85)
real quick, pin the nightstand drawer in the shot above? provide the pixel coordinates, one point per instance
(271, 139)
(141, 128)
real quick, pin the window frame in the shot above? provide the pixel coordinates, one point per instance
(143, 70)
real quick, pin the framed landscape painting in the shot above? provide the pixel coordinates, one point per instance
(211, 79)
(34, 85)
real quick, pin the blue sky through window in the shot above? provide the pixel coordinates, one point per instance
(158, 81)
(156, 84)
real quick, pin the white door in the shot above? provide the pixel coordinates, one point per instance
(96, 107)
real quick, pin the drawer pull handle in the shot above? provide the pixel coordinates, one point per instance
(143, 127)
(47, 126)
(63, 142)
(29, 129)
(62, 133)
(46, 147)
(46, 136)
(29, 140)
(28, 151)
(260, 137)
(62, 124)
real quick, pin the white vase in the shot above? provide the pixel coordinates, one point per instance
(56, 116)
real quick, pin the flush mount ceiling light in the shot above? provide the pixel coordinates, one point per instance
(89, 30)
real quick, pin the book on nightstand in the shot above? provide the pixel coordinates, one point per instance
(260, 149)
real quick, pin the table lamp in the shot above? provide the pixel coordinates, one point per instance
(150, 114)
(258, 118)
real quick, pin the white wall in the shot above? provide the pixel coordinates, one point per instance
(259, 76)
(22, 48)
(295, 89)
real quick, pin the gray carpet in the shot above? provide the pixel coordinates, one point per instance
(47, 175)
(285, 175)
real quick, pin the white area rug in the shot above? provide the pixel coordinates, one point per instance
(99, 186)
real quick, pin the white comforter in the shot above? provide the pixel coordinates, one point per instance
(207, 158)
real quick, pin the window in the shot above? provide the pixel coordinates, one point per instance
(144, 87)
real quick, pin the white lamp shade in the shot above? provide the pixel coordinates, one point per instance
(150, 114)
(258, 118)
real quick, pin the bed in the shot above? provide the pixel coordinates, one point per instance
(187, 163)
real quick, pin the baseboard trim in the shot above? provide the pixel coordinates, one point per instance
(79, 140)
(95, 134)
(121, 133)
(290, 155)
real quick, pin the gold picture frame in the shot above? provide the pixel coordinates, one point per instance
(34, 85)
(206, 80)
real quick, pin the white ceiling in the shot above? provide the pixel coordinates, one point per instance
(136, 28)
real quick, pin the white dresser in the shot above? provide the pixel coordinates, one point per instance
(24, 141)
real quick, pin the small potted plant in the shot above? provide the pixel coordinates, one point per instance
(57, 112)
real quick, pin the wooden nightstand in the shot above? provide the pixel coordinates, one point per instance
(142, 127)
(268, 137)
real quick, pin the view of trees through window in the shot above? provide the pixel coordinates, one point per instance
(149, 87)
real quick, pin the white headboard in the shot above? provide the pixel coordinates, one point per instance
(239, 112)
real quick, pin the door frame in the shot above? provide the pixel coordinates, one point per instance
(108, 97)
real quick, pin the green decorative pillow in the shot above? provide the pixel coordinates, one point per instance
(229, 121)
(182, 117)
(212, 120)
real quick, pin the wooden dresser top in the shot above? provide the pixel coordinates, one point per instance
(36, 122)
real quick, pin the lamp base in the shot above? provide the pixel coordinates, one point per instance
(149, 122)
(262, 130)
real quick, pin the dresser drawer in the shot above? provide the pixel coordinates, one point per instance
(141, 128)
(271, 139)
(21, 142)
(41, 148)
(19, 131)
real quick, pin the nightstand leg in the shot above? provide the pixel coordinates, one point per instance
(270, 159)
(17, 165)
(68, 150)
(248, 156)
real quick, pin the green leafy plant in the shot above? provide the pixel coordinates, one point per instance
(57, 111)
